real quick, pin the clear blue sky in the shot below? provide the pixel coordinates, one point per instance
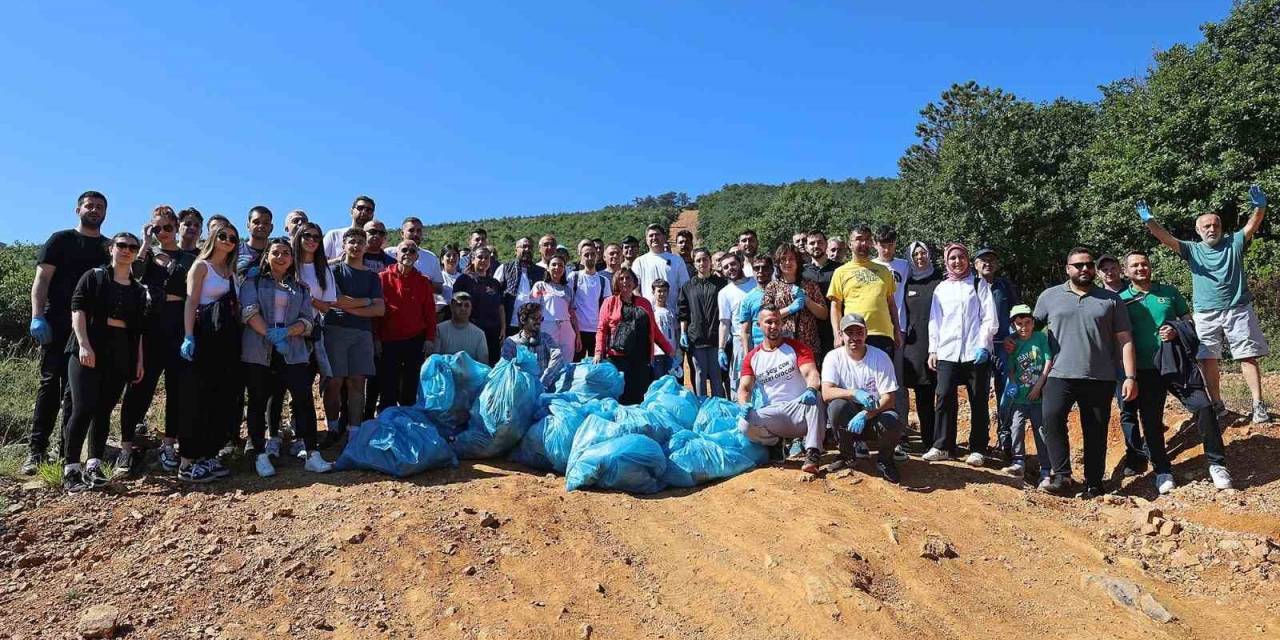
(466, 110)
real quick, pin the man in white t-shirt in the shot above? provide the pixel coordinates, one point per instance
(788, 383)
(886, 248)
(729, 299)
(361, 213)
(858, 385)
(659, 265)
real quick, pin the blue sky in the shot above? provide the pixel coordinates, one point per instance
(464, 110)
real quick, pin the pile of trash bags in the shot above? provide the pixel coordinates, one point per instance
(466, 410)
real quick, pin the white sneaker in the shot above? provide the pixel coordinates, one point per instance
(1164, 483)
(935, 455)
(273, 448)
(975, 459)
(298, 449)
(1044, 484)
(1014, 470)
(1221, 477)
(317, 464)
(860, 451)
(1260, 413)
(262, 464)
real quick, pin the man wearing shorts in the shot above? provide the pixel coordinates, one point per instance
(1220, 299)
(348, 332)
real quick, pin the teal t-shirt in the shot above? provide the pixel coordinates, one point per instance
(1147, 311)
(1217, 273)
(1027, 363)
(749, 311)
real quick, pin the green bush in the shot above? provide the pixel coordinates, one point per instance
(777, 211)
(17, 270)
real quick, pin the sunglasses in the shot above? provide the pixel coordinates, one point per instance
(226, 237)
(167, 228)
(363, 207)
(1081, 266)
(375, 232)
(314, 237)
(409, 250)
(128, 246)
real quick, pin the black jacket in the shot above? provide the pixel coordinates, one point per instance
(511, 281)
(90, 296)
(699, 305)
(1179, 366)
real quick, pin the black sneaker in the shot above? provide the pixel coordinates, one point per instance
(32, 465)
(1058, 485)
(1092, 491)
(811, 459)
(95, 477)
(73, 481)
(125, 462)
(194, 472)
(215, 467)
(888, 471)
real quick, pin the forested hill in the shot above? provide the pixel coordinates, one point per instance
(773, 210)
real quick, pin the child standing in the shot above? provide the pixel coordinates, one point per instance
(1028, 369)
(666, 321)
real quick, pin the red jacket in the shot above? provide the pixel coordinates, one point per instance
(410, 306)
(611, 315)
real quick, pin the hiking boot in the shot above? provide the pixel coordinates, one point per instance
(262, 464)
(1057, 485)
(73, 479)
(1014, 470)
(1164, 483)
(317, 464)
(169, 460)
(935, 455)
(811, 459)
(32, 463)
(273, 448)
(1260, 413)
(889, 471)
(796, 452)
(1221, 477)
(94, 476)
(216, 468)
(125, 462)
(195, 473)
(899, 454)
(860, 451)
(975, 459)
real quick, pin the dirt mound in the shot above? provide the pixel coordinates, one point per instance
(494, 551)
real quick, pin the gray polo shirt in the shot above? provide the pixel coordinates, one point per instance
(1082, 331)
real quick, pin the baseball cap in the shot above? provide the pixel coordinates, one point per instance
(461, 295)
(1019, 310)
(852, 320)
(985, 251)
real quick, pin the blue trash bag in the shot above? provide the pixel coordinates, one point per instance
(504, 409)
(668, 393)
(590, 380)
(655, 422)
(399, 443)
(606, 408)
(633, 463)
(698, 457)
(718, 414)
(448, 386)
(546, 445)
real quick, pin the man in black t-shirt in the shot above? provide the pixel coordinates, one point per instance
(65, 256)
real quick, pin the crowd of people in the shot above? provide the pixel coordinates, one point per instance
(822, 339)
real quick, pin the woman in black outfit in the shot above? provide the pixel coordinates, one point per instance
(164, 273)
(107, 309)
(915, 351)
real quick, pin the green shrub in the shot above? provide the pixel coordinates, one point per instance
(17, 270)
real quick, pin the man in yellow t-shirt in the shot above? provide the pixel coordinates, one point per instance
(866, 288)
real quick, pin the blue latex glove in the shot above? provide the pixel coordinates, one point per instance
(678, 372)
(1011, 390)
(684, 341)
(809, 397)
(276, 334)
(981, 356)
(859, 422)
(188, 349)
(798, 304)
(282, 346)
(724, 360)
(1258, 197)
(40, 330)
(864, 398)
(1144, 211)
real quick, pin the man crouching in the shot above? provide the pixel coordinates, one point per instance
(789, 383)
(858, 385)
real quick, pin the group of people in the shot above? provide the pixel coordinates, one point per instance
(821, 340)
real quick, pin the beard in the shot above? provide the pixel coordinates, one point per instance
(90, 223)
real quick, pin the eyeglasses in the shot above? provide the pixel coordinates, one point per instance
(284, 240)
(127, 246)
(226, 237)
(1081, 266)
(375, 232)
(314, 237)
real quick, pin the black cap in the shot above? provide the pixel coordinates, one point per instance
(985, 251)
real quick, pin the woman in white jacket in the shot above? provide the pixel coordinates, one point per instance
(962, 324)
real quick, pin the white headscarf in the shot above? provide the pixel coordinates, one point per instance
(916, 273)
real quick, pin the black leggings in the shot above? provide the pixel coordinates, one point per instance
(493, 340)
(637, 375)
(977, 377)
(1094, 398)
(94, 394)
(160, 355)
(925, 413)
(264, 382)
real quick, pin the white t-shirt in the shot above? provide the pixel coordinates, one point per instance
(589, 290)
(730, 297)
(666, 321)
(523, 290)
(307, 272)
(428, 265)
(660, 266)
(777, 372)
(873, 373)
(900, 269)
(333, 243)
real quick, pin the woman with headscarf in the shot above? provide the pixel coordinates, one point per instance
(918, 299)
(962, 325)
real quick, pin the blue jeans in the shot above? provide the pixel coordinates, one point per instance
(1015, 418)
